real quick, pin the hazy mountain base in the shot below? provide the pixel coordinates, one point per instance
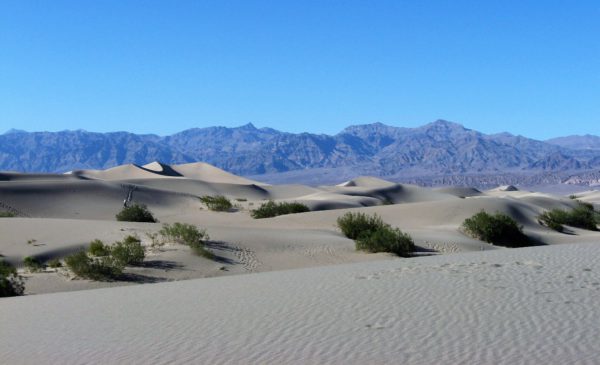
(437, 149)
(555, 182)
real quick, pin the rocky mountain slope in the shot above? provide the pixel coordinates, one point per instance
(435, 149)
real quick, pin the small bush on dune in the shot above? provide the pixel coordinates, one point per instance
(496, 228)
(372, 234)
(552, 219)
(6, 214)
(271, 209)
(386, 239)
(100, 268)
(354, 225)
(98, 248)
(32, 264)
(11, 284)
(217, 203)
(129, 251)
(183, 233)
(136, 213)
(189, 235)
(106, 262)
(583, 216)
(54, 263)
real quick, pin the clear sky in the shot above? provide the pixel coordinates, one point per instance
(527, 67)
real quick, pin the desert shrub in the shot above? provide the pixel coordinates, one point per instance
(54, 263)
(552, 219)
(32, 264)
(199, 249)
(99, 268)
(11, 284)
(372, 234)
(98, 248)
(156, 242)
(128, 252)
(189, 235)
(272, 209)
(136, 213)
(217, 203)
(498, 228)
(582, 216)
(386, 239)
(353, 225)
(183, 233)
(6, 214)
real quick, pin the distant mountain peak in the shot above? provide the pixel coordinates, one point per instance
(435, 149)
(247, 127)
(445, 124)
(15, 131)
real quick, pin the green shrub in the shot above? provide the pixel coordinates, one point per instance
(553, 218)
(354, 225)
(498, 228)
(386, 239)
(217, 203)
(372, 234)
(199, 250)
(136, 213)
(54, 263)
(6, 214)
(99, 268)
(98, 248)
(32, 264)
(189, 235)
(128, 252)
(183, 233)
(272, 209)
(11, 284)
(582, 216)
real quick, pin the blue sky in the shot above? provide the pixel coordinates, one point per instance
(527, 67)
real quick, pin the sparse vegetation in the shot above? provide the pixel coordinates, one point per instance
(353, 225)
(497, 228)
(156, 241)
(11, 284)
(372, 234)
(129, 251)
(7, 214)
(103, 262)
(98, 248)
(271, 209)
(582, 216)
(54, 263)
(103, 268)
(136, 213)
(241, 199)
(32, 264)
(187, 234)
(217, 203)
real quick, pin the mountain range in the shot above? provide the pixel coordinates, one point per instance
(436, 149)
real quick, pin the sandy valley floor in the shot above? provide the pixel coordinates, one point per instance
(313, 299)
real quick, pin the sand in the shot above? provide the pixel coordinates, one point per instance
(510, 306)
(311, 298)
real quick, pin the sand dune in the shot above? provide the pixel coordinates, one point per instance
(209, 173)
(472, 302)
(65, 212)
(519, 306)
